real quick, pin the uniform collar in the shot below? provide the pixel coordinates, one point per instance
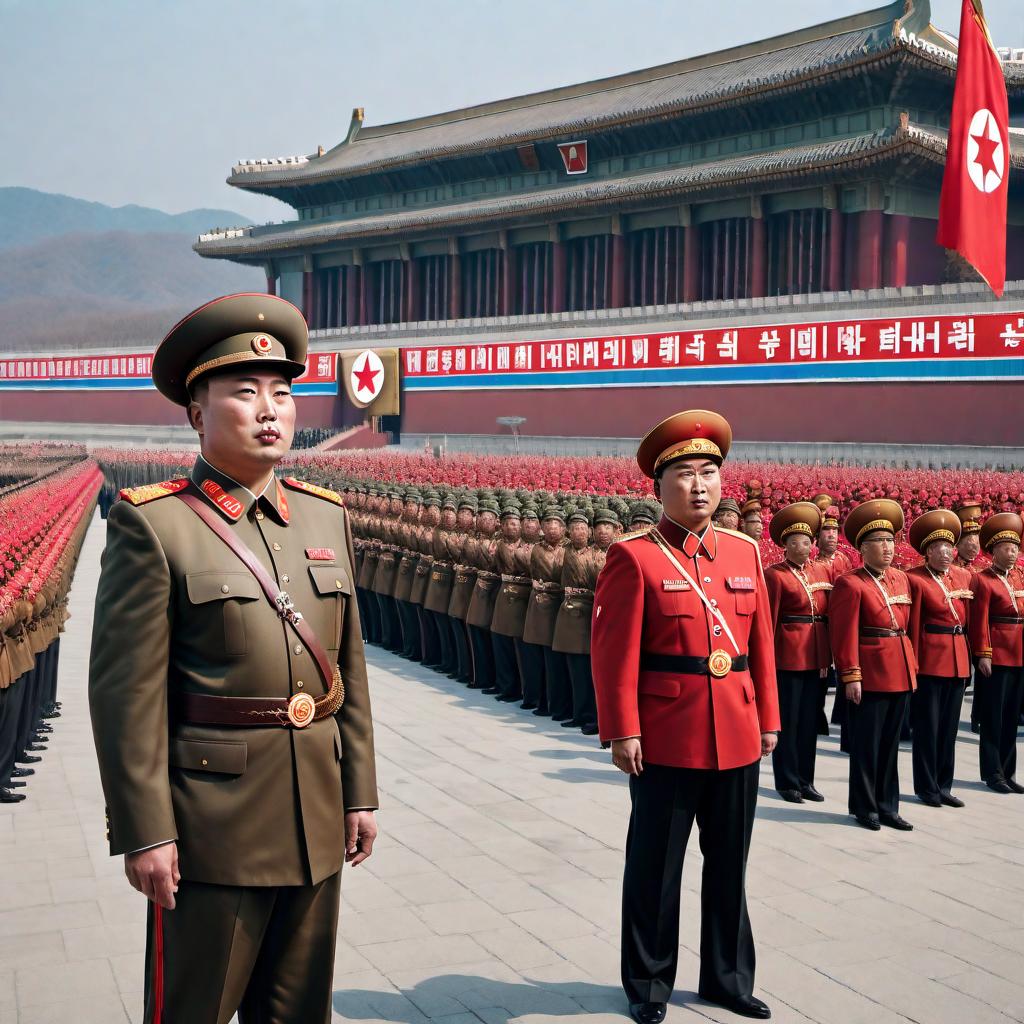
(687, 541)
(234, 500)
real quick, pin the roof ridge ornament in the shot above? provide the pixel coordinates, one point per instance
(354, 125)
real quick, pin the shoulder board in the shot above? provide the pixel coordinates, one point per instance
(150, 492)
(320, 492)
(630, 536)
(736, 533)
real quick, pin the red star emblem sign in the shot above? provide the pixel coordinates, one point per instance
(365, 376)
(986, 163)
(986, 151)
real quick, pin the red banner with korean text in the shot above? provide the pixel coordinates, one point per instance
(975, 346)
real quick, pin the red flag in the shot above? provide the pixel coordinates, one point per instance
(972, 212)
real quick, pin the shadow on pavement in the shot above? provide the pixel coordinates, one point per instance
(493, 1001)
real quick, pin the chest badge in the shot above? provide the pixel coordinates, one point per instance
(670, 585)
(320, 554)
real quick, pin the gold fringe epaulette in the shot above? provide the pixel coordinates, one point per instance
(150, 492)
(631, 536)
(320, 492)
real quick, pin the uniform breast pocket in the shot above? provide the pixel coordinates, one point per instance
(745, 598)
(331, 582)
(225, 593)
(677, 602)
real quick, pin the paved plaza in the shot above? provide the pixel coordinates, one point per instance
(493, 892)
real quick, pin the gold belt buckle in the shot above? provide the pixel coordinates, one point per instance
(720, 663)
(301, 709)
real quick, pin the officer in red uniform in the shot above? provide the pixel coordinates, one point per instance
(875, 662)
(938, 630)
(798, 590)
(684, 670)
(997, 641)
(835, 561)
(968, 547)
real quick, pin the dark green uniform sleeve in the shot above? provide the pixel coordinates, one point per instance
(128, 682)
(358, 771)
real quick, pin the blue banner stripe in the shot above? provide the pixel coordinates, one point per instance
(923, 369)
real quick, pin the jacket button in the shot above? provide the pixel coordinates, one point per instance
(286, 578)
(259, 515)
(298, 648)
(337, 583)
(224, 588)
(276, 546)
(204, 762)
(707, 579)
(299, 683)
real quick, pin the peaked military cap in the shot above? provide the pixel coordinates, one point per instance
(553, 512)
(232, 331)
(606, 515)
(938, 524)
(1002, 526)
(696, 433)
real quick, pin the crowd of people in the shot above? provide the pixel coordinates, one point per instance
(494, 584)
(47, 497)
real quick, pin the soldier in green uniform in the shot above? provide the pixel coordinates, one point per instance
(387, 571)
(480, 553)
(462, 586)
(372, 526)
(512, 601)
(407, 540)
(439, 589)
(431, 651)
(233, 727)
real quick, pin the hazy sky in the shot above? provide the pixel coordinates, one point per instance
(152, 101)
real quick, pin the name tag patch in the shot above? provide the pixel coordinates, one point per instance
(674, 585)
(740, 582)
(320, 554)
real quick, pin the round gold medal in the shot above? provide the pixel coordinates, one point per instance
(720, 663)
(301, 709)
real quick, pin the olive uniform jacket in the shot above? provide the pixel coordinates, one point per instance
(580, 570)
(546, 595)
(483, 555)
(178, 613)
(516, 585)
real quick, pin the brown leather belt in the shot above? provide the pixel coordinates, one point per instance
(935, 627)
(878, 631)
(805, 619)
(253, 712)
(1006, 620)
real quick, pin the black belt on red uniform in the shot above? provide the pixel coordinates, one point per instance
(1006, 620)
(805, 619)
(879, 631)
(683, 664)
(933, 627)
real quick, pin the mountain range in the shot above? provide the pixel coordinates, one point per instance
(74, 272)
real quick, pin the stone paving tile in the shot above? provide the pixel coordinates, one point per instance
(493, 893)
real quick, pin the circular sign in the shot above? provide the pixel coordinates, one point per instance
(366, 378)
(986, 154)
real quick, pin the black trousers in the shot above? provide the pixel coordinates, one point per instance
(10, 720)
(412, 642)
(556, 675)
(390, 627)
(841, 717)
(364, 616)
(446, 650)
(584, 703)
(666, 801)
(506, 667)
(483, 657)
(875, 725)
(935, 717)
(531, 672)
(999, 715)
(799, 707)
(431, 649)
(460, 639)
(827, 683)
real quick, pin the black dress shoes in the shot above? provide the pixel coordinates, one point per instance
(930, 801)
(490, 690)
(570, 723)
(998, 785)
(527, 706)
(34, 746)
(951, 801)
(647, 1013)
(791, 796)
(1015, 787)
(745, 1006)
(509, 698)
(7, 797)
(590, 729)
(22, 773)
(896, 822)
(810, 793)
(32, 759)
(868, 821)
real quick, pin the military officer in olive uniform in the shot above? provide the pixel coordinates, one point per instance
(368, 567)
(462, 585)
(443, 546)
(431, 649)
(407, 540)
(233, 729)
(383, 586)
(511, 603)
(480, 554)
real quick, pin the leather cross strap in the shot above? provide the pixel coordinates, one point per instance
(278, 599)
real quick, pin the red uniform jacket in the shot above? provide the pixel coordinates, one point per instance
(792, 592)
(941, 652)
(998, 597)
(642, 606)
(835, 566)
(859, 612)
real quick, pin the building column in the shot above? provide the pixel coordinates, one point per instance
(691, 263)
(869, 249)
(617, 296)
(271, 279)
(352, 311)
(509, 277)
(836, 249)
(454, 281)
(897, 248)
(558, 266)
(367, 313)
(758, 254)
(410, 286)
(307, 298)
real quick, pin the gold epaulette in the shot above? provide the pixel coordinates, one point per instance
(631, 536)
(320, 492)
(736, 533)
(150, 492)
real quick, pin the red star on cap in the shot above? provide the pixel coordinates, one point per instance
(986, 150)
(365, 376)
